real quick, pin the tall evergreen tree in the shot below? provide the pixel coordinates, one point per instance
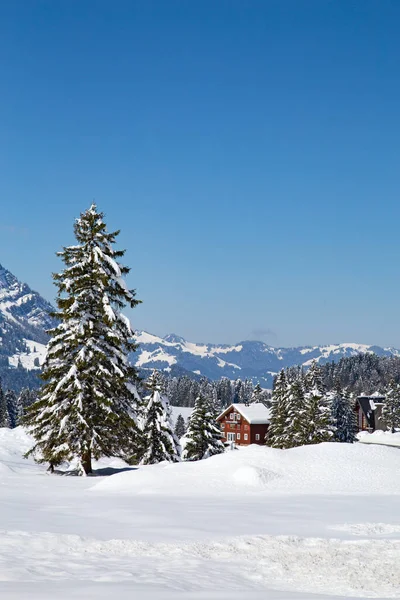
(180, 428)
(296, 427)
(86, 407)
(391, 408)
(319, 414)
(203, 436)
(343, 417)
(159, 440)
(279, 413)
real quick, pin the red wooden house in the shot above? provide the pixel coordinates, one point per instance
(244, 424)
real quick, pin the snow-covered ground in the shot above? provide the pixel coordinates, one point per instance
(314, 522)
(27, 359)
(385, 438)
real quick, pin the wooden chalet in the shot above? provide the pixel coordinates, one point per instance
(244, 424)
(369, 411)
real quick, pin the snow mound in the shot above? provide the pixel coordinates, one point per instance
(327, 468)
(368, 528)
(254, 477)
(386, 438)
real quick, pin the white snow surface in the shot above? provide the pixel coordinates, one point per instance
(27, 359)
(385, 438)
(314, 522)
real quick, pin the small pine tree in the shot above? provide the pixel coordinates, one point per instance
(203, 437)
(159, 441)
(343, 417)
(391, 408)
(278, 412)
(12, 408)
(4, 418)
(257, 395)
(180, 428)
(86, 407)
(26, 398)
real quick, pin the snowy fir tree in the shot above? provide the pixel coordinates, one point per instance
(25, 399)
(296, 428)
(257, 395)
(319, 414)
(180, 428)
(12, 408)
(86, 407)
(343, 417)
(4, 418)
(279, 413)
(203, 436)
(391, 408)
(159, 440)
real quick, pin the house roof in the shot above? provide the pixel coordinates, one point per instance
(255, 414)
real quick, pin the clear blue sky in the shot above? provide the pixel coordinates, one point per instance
(249, 151)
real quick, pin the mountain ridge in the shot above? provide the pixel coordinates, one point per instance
(24, 319)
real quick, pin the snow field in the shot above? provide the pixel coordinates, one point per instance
(307, 523)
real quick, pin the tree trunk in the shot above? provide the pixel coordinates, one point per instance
(87, 462)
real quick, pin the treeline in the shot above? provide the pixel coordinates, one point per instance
(363, 373)
(13, 406)
(304, 411)
(183, 391)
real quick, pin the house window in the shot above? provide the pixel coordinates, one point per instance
(230, 436)
(223, 433)
(246, 437)
(238, 417)
(257, 437)
(238, 436)
(246, 427)
(222, 425)
(232, 416)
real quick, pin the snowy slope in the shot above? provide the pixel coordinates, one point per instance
(308, 523)
(23, 320)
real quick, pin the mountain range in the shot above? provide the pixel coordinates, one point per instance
(24, 318)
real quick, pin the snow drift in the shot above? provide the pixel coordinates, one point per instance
(324, 469)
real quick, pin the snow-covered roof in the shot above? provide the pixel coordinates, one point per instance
(255, 414)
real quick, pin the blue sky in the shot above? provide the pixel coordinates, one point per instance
(249, 152)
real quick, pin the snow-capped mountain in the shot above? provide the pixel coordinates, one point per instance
(24, 318)
(248, 359)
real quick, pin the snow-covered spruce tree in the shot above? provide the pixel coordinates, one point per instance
(159, 440)
(26, 398)
(203, 436)
(343, 416)
(279, 413)
(319, 413)
(180, 428)
(86, 407)
(4, 418)
(257, 395)
(12, 408)
(296, 427)
(391, 408)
